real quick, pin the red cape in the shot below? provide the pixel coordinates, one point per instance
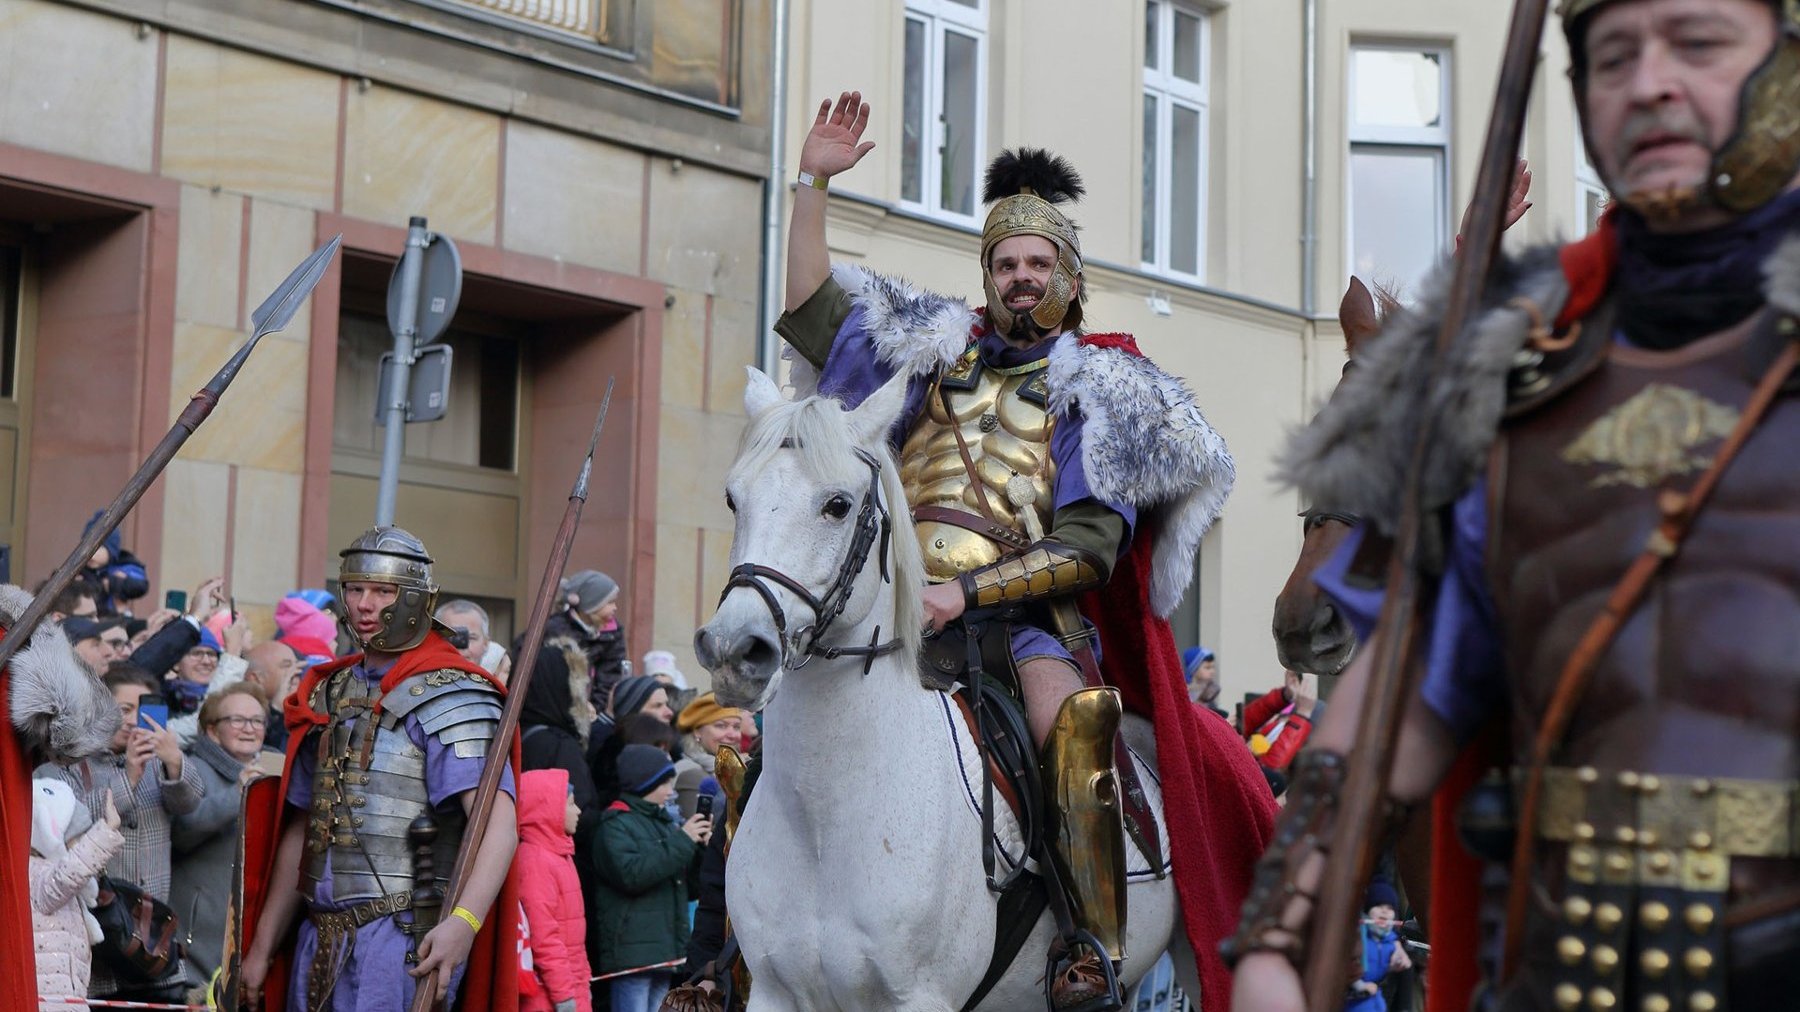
(1456, 895)
(1216, 801)
(18, 958)
(491, 981)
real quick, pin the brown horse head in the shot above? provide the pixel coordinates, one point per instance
(1310, 635)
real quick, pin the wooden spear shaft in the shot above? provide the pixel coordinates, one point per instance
(500, 749)
(1392, 678)
(274, 314)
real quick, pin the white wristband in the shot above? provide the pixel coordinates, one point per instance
(816, 182)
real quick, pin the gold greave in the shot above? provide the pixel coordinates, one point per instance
(1086, 821)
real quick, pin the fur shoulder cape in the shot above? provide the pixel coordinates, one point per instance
(1145, 442)
(1352, 458)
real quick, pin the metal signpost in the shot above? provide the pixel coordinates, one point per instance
(422, 298)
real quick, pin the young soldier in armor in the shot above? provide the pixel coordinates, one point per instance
(1613, 474)
(1019, 513)
(386, 748)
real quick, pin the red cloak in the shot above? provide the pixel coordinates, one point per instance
(1456, 895)
(491, 981)
(18, 959)
(1216, 801)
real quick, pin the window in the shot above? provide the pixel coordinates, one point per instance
(1591, 196)
(1399, 206)
(11, 272)
(1176, 64)
(480, 429)
(942, 109)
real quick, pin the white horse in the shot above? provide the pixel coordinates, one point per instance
(855, 880)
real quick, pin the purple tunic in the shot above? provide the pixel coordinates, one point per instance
(853, 371)
(1464, 680)
(373, 977)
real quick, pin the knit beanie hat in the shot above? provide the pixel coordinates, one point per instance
(630, 695)
(1380, 894)
(590, 589)
(644, 768)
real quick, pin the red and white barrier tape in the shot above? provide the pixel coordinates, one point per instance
(670, 965)
(110, 1003)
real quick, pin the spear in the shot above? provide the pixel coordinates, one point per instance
(270, 317)
(1393, 676)
(500, 749)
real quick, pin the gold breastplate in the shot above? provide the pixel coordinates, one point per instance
(1001, 415)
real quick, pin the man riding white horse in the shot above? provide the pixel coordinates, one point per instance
(1042, 463)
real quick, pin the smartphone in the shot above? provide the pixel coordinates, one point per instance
(152, 707)
(177, 600)
(703, 805)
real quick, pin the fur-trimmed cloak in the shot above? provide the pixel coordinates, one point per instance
(1144, 444)
(57, 712)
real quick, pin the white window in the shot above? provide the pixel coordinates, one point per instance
(1590, 191)
(1177, 62)
(1399, 201)
(944, 106)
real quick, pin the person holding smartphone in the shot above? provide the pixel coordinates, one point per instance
(150, 785)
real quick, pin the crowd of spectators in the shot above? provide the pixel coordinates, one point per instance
(611, 823)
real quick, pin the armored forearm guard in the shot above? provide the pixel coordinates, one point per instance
(1046, 569)
(1278, 914)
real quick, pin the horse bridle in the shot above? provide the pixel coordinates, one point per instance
(872, 524)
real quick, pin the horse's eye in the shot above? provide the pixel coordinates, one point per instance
(837, 507)
(730, 503)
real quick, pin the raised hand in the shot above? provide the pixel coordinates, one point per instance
(1517, 202)
(835, 142)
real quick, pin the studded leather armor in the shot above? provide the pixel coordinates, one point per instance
(1673, 802)
(1002, 418)
(369, 784)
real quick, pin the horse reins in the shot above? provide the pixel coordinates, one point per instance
(872, 524)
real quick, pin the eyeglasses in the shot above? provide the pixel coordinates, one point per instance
(243, 722)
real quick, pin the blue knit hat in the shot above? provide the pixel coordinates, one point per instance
(209, 641)
(642, 768)
(1192, 658)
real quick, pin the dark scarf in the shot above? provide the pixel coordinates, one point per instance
(1677, 288)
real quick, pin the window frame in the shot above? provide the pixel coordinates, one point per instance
(1170, 91)
(939, 18)
(1438, 139)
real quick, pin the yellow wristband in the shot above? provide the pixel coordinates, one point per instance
(473, 921)
(808, 179)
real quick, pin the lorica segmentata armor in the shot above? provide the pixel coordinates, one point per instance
(370, 784)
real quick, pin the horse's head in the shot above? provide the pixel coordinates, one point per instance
(821, 531)
(1310, 635)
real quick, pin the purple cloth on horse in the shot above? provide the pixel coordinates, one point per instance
(372, 978)
(1464, 680)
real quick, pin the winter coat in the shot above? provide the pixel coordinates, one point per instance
(166, 647)
(605, 652)
(1377, 951)
(59, 919)
(555, 710)
(1283, 730)
(709, 916)
(640, 897)
(122, 579)
(205, 845)
(551, 892)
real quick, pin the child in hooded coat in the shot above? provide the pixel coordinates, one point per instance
(551, 894)
(68, 848)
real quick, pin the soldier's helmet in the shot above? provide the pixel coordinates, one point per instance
(394, 556)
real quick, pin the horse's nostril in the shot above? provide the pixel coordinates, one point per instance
(761, 655)
(1324, 617)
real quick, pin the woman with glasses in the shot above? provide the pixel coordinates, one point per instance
(233, 722)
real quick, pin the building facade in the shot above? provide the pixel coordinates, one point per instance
(164, 164)
(1189, 122)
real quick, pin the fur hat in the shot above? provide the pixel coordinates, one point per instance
(644, 768)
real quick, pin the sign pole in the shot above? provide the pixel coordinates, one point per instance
(406, 327)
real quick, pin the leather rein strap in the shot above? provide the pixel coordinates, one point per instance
(1678, 514)
(872, 524)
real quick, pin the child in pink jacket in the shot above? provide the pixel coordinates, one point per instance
(551, 893)
(67, 850)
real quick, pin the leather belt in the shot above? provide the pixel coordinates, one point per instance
(1728, 816)
(970, 522)
(330, 921)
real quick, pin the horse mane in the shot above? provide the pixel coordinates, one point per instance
(818, 428)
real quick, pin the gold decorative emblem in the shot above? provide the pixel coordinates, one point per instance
(1652, 437)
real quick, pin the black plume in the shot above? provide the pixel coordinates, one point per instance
(1047, 175)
